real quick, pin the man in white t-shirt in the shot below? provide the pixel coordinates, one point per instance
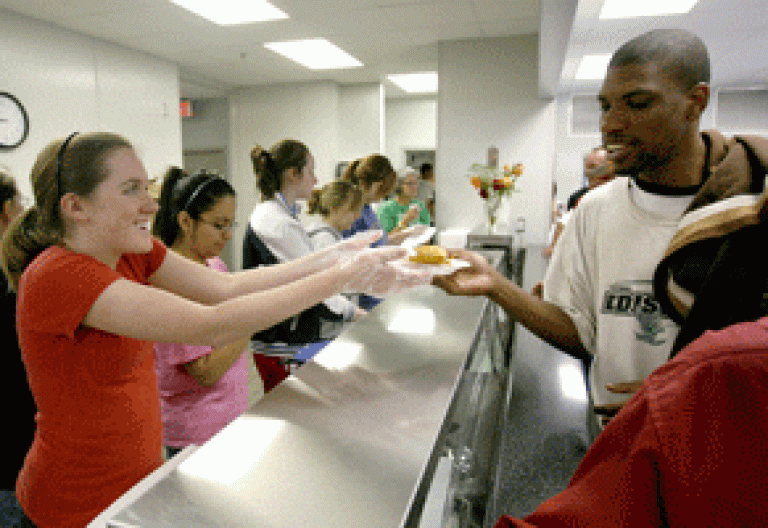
(598, 303)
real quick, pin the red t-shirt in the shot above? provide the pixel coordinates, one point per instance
(98, 420)
(689, 449)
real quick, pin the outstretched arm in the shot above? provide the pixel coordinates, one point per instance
(195, 281)
(544, 319)
(152, 314)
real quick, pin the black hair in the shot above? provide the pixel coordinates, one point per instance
(679, 53)
(194, 194)
(425, 168)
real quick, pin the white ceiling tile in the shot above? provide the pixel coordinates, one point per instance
(501, 10)
(511, 26)
(387, 34)
(433, 14)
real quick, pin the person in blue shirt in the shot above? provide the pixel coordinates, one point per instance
(374, 176)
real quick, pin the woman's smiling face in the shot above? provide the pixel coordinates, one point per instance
(120, 211)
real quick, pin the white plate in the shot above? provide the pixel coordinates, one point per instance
(411, 242)
(434, 269)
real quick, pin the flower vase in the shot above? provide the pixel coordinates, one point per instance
(492, 204)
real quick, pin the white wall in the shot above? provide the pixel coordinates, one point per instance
(69, 82)
(488, 95)
(411, 125)
(335, 122)
(360, 120)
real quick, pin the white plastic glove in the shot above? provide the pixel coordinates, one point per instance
(344, 250)
(372, 271)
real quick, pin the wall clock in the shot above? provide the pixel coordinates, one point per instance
(14, 122)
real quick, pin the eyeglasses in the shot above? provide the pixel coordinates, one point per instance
(221, 227)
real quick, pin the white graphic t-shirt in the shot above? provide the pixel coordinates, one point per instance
(601, 275)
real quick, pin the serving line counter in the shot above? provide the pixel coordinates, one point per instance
(392, 424)
(429, 412)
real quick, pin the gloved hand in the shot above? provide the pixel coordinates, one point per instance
(344, 250)
(371, 271)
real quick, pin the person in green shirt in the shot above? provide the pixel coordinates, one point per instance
(403, 210)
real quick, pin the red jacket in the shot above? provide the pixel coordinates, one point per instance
(689, 449)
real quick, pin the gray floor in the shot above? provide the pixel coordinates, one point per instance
(544, 437)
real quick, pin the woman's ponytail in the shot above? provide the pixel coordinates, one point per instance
(314, 205)
(165, 226)
(267, 177)
(350, 173)
(24, 240)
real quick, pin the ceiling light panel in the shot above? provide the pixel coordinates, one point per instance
(627, 9)
(315, 54)
(415, 82)
(229, 12)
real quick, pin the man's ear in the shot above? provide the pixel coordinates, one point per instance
(699, 98)
(72, 207)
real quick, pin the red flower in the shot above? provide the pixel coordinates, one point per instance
(498, 185)
(483, 193)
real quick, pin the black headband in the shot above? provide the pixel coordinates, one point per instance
(200, 187)
(60, 162)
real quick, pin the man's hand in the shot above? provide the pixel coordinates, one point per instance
(628, 387)
(410, 215)
(477, 279)
(609, 410)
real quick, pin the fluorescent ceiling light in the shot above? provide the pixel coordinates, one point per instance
(315, 54)
(416, 82)
(593, 66)
(628, 9)
(226, 12)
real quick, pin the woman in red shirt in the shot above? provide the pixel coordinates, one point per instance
(95, 290)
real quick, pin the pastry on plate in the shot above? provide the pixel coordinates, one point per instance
(430, 255)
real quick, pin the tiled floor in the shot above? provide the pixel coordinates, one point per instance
(544, 435)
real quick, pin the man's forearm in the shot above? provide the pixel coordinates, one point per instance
(544, 319)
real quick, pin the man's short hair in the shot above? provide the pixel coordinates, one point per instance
(679, 53)
(425, 168)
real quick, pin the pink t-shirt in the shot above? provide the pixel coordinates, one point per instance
(191, 413)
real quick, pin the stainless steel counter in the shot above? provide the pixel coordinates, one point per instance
(346, 441)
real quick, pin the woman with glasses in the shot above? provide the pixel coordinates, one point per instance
(202, 388)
